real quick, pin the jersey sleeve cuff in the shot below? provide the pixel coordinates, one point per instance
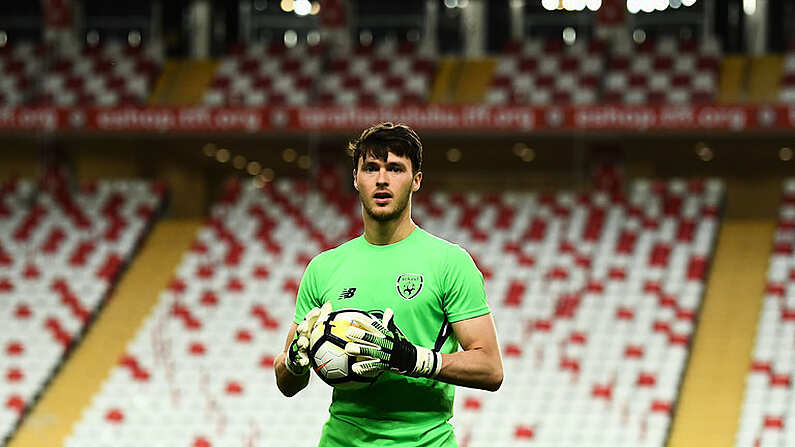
(459, 316)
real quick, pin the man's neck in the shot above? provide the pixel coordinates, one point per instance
(385, 233)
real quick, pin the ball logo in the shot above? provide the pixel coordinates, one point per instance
(409, 285)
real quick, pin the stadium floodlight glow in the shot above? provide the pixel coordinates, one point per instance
(454, 155)
(633, 6)
(92, 37)
(239, 162)
(593, 5)
(366, 37)
(290, 38)
(463, 3)
(675, 3)
(209, 149)
(313, 38)
(315, 9)
(661, 5)
(785, 154)
(704, 152)
(528, 154)
(639, 36)
(289, 155)
(688, 2)
(450, 3)
(304, 162)
(223, 155)
(550, 5)
(749, 6)
(287, 5)
(134, 38)
(302, 7)
(253, 168)
(647, 5)
(569, 35)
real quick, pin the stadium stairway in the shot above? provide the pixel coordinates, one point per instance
(462, 81)
(731, 87)
(712, 390)
(183, 82)
(445, 81)
(474, 81)
(764, 78)
(51, 420)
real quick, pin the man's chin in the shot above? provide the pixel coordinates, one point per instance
(381, 215)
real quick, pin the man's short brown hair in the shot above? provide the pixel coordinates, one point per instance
(383, 138)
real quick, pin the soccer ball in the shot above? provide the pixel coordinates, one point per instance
(327, 351)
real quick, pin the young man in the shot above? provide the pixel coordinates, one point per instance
(427, 288)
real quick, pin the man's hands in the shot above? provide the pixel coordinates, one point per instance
(297, 358)
(388, 349)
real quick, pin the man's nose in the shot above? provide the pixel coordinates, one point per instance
(381, 179)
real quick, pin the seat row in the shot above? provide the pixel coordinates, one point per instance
(579, 351)
(768, 412)
(61, 252)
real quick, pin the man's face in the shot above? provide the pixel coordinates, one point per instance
(385, 187)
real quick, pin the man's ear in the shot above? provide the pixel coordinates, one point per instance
(416, 182)
(355, 183)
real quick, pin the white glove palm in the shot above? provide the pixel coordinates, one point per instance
(297, 358)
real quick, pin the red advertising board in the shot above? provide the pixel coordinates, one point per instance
(665, 118)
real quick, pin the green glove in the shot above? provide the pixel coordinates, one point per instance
(388, 349)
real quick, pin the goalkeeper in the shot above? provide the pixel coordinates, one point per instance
(426, 296)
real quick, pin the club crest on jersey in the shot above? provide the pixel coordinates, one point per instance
(409, 285)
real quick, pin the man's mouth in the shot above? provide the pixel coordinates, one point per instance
(382, 198)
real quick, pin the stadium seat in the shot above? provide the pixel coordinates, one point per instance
(769, 403)
(787, 88)
(525, 74)
(388, 74)
(60, 255)
(662, 72)
(260, 75)
(593, 339)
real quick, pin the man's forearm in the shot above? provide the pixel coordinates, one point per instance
(474, 369)
(289, 384)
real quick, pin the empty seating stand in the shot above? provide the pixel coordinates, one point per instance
(594, 297)
(665, 71)
(540, 72)
(768, 413)
(20, 65)
(384, 74)
(787, 89)
(388, 73)
(60, 254)
(266, 74)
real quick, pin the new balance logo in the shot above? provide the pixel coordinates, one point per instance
(347, 293)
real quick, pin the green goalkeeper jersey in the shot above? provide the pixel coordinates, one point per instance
(429, 283)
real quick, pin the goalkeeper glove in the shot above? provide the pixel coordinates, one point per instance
(297, 358)
(388, 348)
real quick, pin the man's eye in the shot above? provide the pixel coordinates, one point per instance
(396, 169)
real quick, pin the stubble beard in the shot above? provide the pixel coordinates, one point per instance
(400, 207)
